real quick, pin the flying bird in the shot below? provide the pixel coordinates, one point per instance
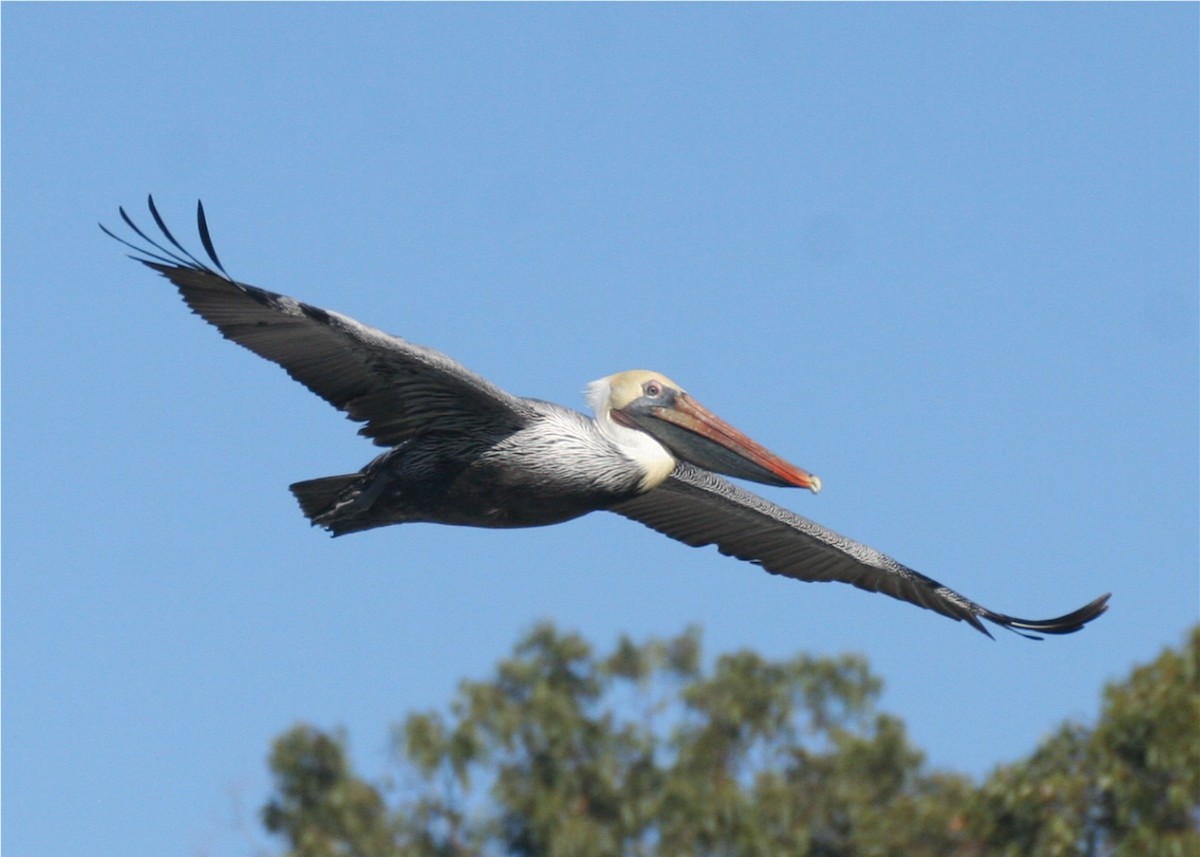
(459, 450)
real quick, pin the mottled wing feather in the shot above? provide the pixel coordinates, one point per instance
(699, 508)
(397, 388)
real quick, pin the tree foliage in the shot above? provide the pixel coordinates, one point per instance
(644, 751)
(1131, 785)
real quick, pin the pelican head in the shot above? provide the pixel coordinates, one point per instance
(649, 405)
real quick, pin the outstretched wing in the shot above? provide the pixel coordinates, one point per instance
(398, 389)
(699, 508)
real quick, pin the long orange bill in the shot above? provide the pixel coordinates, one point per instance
(728, 450)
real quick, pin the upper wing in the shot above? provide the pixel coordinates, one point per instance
(398, 389)
(699, 508)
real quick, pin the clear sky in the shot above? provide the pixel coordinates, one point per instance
(943, 256)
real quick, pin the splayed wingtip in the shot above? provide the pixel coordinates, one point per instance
(1066, 624)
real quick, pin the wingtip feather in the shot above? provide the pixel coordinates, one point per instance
(161, 255)
(206, 238)
(1068, 623)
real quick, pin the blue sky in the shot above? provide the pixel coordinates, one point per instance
(943, 256)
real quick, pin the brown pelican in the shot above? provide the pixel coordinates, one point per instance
(462, 451)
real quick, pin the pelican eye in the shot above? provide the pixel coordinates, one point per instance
(653, 389)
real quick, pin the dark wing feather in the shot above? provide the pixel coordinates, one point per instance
(699, 508)
(398, 389)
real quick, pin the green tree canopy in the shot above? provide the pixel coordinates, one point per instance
(1131, 785)
(644, 751)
